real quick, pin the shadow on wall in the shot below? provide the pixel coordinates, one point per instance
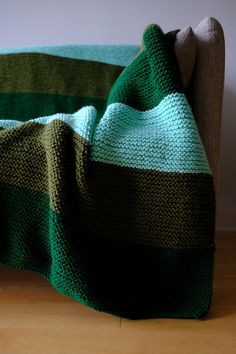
(227, 195)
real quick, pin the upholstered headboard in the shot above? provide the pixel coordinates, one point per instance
(201, 56)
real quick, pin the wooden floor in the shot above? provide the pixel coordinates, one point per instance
(36, 319)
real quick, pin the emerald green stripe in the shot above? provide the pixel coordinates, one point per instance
(123, 278)
(34, 237)
(42, 73)
(25, 106)
(152, 76)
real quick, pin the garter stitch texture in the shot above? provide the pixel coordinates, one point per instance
(111, 199)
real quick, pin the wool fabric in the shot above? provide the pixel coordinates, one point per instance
(105, 188)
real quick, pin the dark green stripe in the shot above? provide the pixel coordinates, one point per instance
(25, 106)
(43, 73)
(123, 278)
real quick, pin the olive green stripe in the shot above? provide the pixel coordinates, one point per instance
(143, 205)
(42, 73)
(25, 106)
(50, 160)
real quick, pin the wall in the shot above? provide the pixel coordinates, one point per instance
(29, 22)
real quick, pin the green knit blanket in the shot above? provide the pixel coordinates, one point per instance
(111, 199)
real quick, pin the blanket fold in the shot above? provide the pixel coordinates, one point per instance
(112, 199)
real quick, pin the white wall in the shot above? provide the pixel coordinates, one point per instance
(29, 22)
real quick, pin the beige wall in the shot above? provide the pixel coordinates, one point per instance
(29, 22)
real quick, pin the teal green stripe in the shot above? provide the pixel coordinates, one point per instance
(110, 54)
(164, 138)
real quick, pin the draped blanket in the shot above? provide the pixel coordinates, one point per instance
(105, 188)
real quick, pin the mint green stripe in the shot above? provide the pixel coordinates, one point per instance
(82, 121)
(164, 138)
(110, 54)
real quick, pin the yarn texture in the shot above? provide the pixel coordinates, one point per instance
(105, 188)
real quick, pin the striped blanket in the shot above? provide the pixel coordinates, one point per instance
(105, 188)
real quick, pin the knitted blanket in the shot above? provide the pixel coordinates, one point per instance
(111, 199)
